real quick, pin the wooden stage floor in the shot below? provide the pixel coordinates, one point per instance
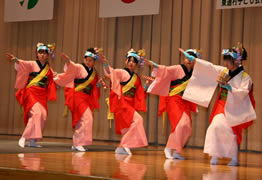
(146, 163)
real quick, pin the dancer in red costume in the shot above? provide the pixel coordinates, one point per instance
(35, 83)
(170, 83)
(127, 96)
(82, 94)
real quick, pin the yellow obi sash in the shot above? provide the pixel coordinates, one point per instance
(39, 77)
(81, 87)
(173, 92)
(130, 84)
(86, 83)
(178, 88)
(126, 88)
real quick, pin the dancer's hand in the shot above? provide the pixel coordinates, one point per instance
(221, 81)
(65, 58)
(101, 82)
(12, 57)
(181, 50)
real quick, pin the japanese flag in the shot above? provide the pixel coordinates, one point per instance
(28, 10)
(114, 8)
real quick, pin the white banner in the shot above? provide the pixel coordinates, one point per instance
(229, 4)
(28, 10)
(115, 8)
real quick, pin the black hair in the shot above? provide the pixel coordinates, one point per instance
(92, 50)
(244, 54)
(192, 54)
(129, 59)
(229, 57)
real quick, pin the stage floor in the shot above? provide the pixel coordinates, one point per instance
(58, 161)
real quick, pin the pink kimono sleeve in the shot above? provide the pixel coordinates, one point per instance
(164, 75)
(23, 69)
(71, 71)
(116, 76)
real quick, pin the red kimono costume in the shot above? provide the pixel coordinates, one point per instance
(36, 86)
(170, 82)
(126, 97)
(82, 95)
